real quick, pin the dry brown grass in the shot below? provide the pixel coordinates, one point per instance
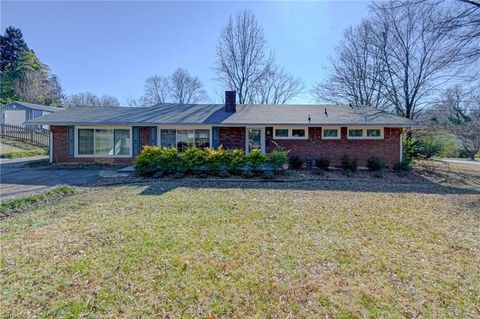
(201, 249)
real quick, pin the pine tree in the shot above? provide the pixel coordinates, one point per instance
(12, 47)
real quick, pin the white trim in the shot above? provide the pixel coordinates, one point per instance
(130, 154)
(401, 147)
(290, 132)
(183, 127)
(262, 137)
(364, 132)
(50, 151)
(337, 128)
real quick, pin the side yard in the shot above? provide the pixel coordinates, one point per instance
(15, 149)
(197, 249)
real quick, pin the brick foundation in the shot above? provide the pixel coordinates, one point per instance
(388, 148)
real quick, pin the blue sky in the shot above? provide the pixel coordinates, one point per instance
(112, 47)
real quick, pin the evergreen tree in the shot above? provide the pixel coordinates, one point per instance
(12, 47)
(23, 76)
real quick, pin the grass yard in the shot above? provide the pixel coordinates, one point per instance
(14, 149)
(266, 250)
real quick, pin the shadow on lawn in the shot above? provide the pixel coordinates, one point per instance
(159, 187)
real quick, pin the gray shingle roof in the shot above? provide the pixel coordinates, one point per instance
(37, 106)
(246, 114)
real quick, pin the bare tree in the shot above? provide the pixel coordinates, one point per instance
(418, 61)
(186, 89)
(156, 90)
(30, 86)
(35, 86)
(277, 87)
(462, 23)
(357, 71)
(90, 99)
(242, 57)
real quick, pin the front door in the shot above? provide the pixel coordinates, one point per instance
(255, 139)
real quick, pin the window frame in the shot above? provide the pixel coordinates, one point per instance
(129, 128)
(183, 127)
(290, 132)
(337, 128)
(364, 132)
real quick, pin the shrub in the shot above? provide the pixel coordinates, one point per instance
(201, 171)
(216, 158)
(322, 163)
(255, 158)
(277, 158)
(375, 164)
(428, 147)
(192, 158)
(348, 164)
(246, 171)
(402, 166)
(154, 158)
(295, 162)
(236, 158)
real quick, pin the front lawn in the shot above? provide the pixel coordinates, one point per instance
(203, 249)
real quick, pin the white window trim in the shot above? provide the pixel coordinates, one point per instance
(290, 129)
(262, 138)
(179, 127)
(364, 129)
(94, 146)
(337, 128)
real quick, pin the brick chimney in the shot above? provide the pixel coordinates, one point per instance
(230, 101)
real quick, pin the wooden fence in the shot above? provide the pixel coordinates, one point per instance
(37, 136)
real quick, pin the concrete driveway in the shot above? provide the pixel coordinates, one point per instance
(17, 180)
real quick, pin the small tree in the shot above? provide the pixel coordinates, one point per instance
(459, 113)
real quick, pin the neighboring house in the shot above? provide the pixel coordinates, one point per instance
(17, 113)
(116, 135)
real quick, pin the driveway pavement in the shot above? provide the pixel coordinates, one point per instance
(17, 180)
(458, 161)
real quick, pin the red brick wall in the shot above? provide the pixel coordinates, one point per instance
(60, 149)
(232, 137)
(388, 148)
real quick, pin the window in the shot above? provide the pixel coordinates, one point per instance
(105, 142)
(290, 133)
(355, 132)
(121, 142)
(330, 133)
(86, 143)
(202, 138)
(298, 133)
(167, 138)
(185, 138)
(374, 132)
(281, 132)
(365, 133)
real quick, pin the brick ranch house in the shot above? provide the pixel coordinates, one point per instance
(116, 135)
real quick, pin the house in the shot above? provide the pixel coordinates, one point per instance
(116, 135)
(17, 113)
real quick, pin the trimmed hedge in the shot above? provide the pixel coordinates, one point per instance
(162, 160)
